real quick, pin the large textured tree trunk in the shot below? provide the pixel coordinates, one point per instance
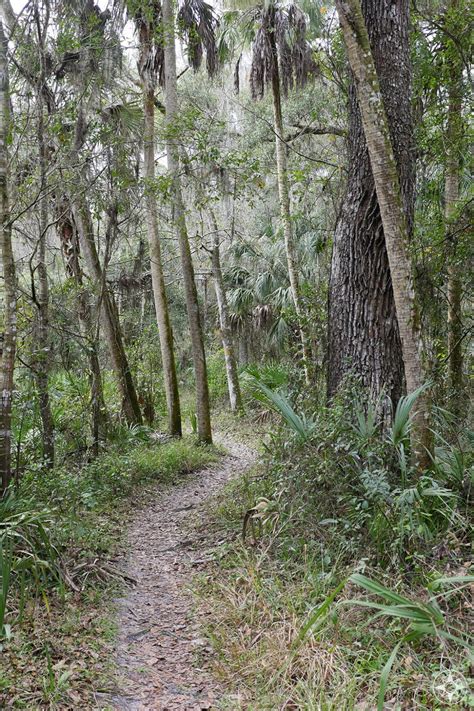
(233, 384)
(8, 293)
(285, 213)
(454, 132)
(363, 330)
(109, 313)
(192, 305)
(42, 356)
(157, 276)
(387, 185)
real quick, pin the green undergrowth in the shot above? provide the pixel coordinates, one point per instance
(294, 624)
(60, 534)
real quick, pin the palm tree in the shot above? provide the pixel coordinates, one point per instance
(282, 59)
(259, 296)
(150, 64)
(197, 22)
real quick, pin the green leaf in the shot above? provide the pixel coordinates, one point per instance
(386, 673)
(377, 588)
(318, 613)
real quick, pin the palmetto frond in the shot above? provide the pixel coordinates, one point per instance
(198, 24)
(126, 117)
(281, 37)
(281, 298)
(238, 276)
(265, 285)
(240, 300)
(147, 17)
(263, 53)
(262, 316)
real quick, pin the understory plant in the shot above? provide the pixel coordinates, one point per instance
(28, 555)
(336, 505)
(363, 467)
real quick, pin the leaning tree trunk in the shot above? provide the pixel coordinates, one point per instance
(285, 213)
(363, 336)
(156, 267)
(389, 196)
(192, 305)
(42, 359)
(454, 131)
(233, 384)
(8, 297)
(109, 313)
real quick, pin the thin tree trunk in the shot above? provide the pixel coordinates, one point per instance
(7, 355)
(89, 330)
(233, 384)
(387, 185)
(451, 198)
(285, 214)
(110, 319)
(157, 276)
(43, 345)
(192, 305)
(99, 419)
(109, 314)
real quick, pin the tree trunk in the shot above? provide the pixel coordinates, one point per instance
(8, 297)
(389, 196)
(233, 384)
(454, 132)
(157, 276)
(110, 319)
(363, 336)
(285, 214)
(192, 305)
(42, 355)
(109, 314)
(89, 330)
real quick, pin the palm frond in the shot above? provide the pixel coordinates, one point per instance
(402, 421)
(198, 24)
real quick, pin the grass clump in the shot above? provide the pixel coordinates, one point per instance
(347, 581)
(59, 534)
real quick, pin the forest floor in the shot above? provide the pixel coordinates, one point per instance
(162, 658)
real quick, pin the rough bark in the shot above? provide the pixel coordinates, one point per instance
(157, 276)
(88, 327)
(363, 330)
(394, 219)
(42, 355)
(233, 384)
(454, 130)
(192, 305)
(285, 213)
(8, 297)
(109, 314)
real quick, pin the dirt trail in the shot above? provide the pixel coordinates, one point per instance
(158, 628)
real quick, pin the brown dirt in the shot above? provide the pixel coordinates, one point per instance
(159, 635)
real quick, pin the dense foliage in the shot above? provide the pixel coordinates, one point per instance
(255, 214)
